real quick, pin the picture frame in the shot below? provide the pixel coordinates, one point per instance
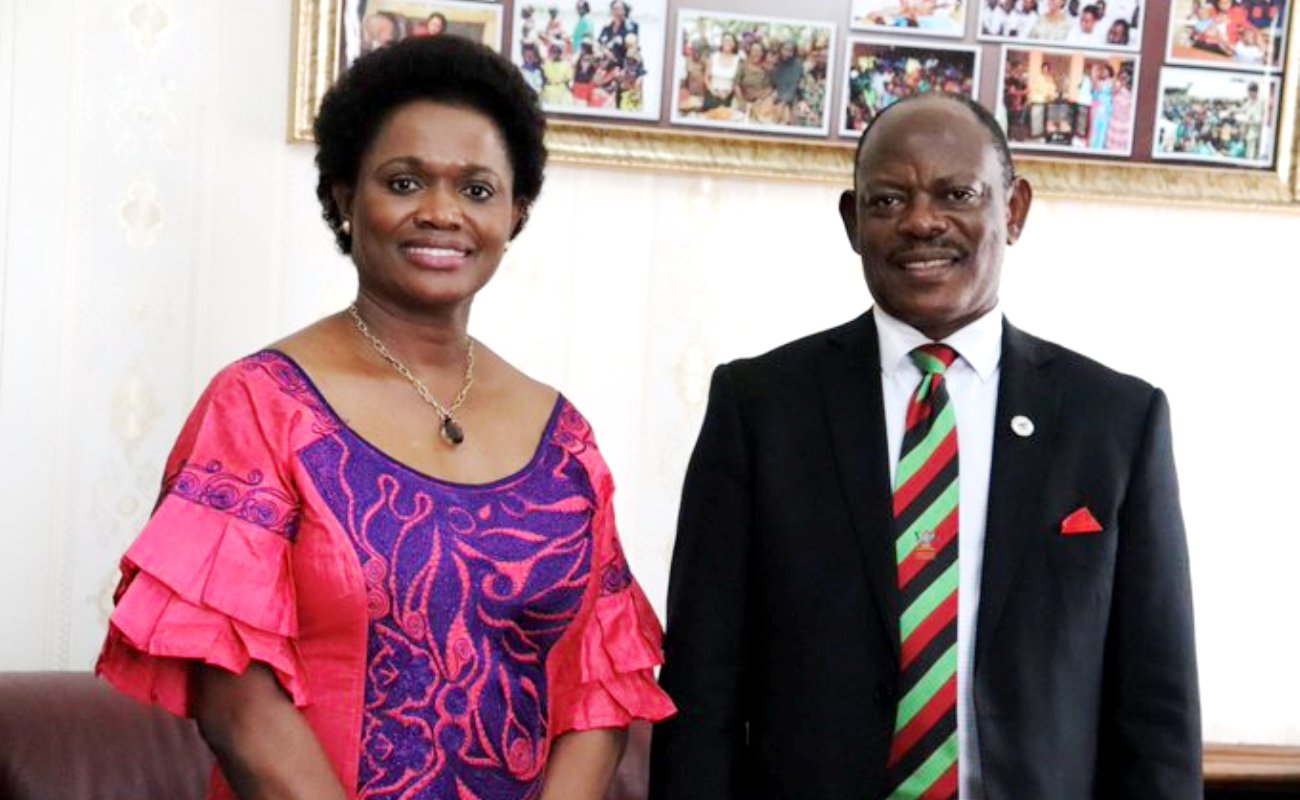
(939, 18)
(1071, 101)
(1094, 27)
(660, 146)
(585, 63)
(385, 21)
(1251, 36)
(880, 70)
(1215, 116)
(724, 48)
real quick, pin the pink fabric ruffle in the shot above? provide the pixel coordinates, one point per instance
(602, 672)
(201, 585)
(614, 668)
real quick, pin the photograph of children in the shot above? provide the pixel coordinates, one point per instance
(593, 57)
(1068, 100)
(880, 73)
(1100, 24)
(1216, 116)
(753, 73)
(371, 24)
(1246, 34)
(926, 17)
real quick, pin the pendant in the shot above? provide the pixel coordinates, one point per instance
(451, 431)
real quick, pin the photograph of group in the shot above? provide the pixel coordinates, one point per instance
(1216, 116)
(753, 73)
(1077, 101)
(1063, 77)
(599, 60)
(881, 72)
(1102, 24)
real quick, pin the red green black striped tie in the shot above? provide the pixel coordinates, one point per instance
(923, 759)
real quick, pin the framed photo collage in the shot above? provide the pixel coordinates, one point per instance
(1190, 83)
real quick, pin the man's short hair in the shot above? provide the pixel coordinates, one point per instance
(986, 119)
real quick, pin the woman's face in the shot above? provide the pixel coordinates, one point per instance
(378, 30)
(728, 43)
(757, 52)
(432, 209)
(618, 11)
(436, 25)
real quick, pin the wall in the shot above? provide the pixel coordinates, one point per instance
(154, 225)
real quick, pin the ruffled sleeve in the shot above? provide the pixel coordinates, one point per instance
(209, 579)
(602, 673)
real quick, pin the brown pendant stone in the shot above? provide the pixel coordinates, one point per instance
(451, 431)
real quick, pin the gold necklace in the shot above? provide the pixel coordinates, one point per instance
(450, 429)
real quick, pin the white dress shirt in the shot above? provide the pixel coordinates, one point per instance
(972, 383)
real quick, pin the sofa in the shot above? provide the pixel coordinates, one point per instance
(69, 736)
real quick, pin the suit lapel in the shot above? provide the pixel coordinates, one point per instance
(855, 416)
(1020, 467)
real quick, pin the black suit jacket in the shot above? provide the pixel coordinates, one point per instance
(782, 643)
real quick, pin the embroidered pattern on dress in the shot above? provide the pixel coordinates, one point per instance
(615, 576)
(291, 381)
(468, 589)
(211, 484)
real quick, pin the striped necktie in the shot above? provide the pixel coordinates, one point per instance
(923, 759)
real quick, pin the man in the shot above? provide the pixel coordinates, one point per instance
(1086, 32)
(863, 603)
(1251, 114)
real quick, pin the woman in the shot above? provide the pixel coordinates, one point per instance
(557, 78)
(787, 76)
(1054, 24)
(1119, 134)
(1103, 93)
(435, 25)
(720, 74)
(613, 37)
(582, 28)
(753, 83)
(384, 561)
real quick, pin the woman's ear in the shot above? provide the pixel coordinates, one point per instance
(343, 199)
(520, 218)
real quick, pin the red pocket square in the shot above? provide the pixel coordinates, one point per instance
(1081, 521)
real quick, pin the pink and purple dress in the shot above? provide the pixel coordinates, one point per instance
(436, 636)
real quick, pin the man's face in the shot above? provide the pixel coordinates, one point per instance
(932, 215)
(1087, 21)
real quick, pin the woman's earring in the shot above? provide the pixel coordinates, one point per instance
(346, 227)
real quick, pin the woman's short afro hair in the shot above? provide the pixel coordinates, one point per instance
(444, 69)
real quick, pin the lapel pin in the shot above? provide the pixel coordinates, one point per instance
(925, 549)
(1022, 426)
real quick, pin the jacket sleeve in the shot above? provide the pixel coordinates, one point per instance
(700, 753)
(1150, 743)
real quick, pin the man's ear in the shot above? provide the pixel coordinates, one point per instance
(343, 199)
(849, 215)
(1019, 197)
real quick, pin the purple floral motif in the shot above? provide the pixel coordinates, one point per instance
(211, 484)
(469, 588)
(294, 383)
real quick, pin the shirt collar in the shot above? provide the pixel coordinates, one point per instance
(979, 343)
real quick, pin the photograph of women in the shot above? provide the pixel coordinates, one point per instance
(753, 73)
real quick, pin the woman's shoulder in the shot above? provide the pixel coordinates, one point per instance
(509, 387)
(266, 386)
